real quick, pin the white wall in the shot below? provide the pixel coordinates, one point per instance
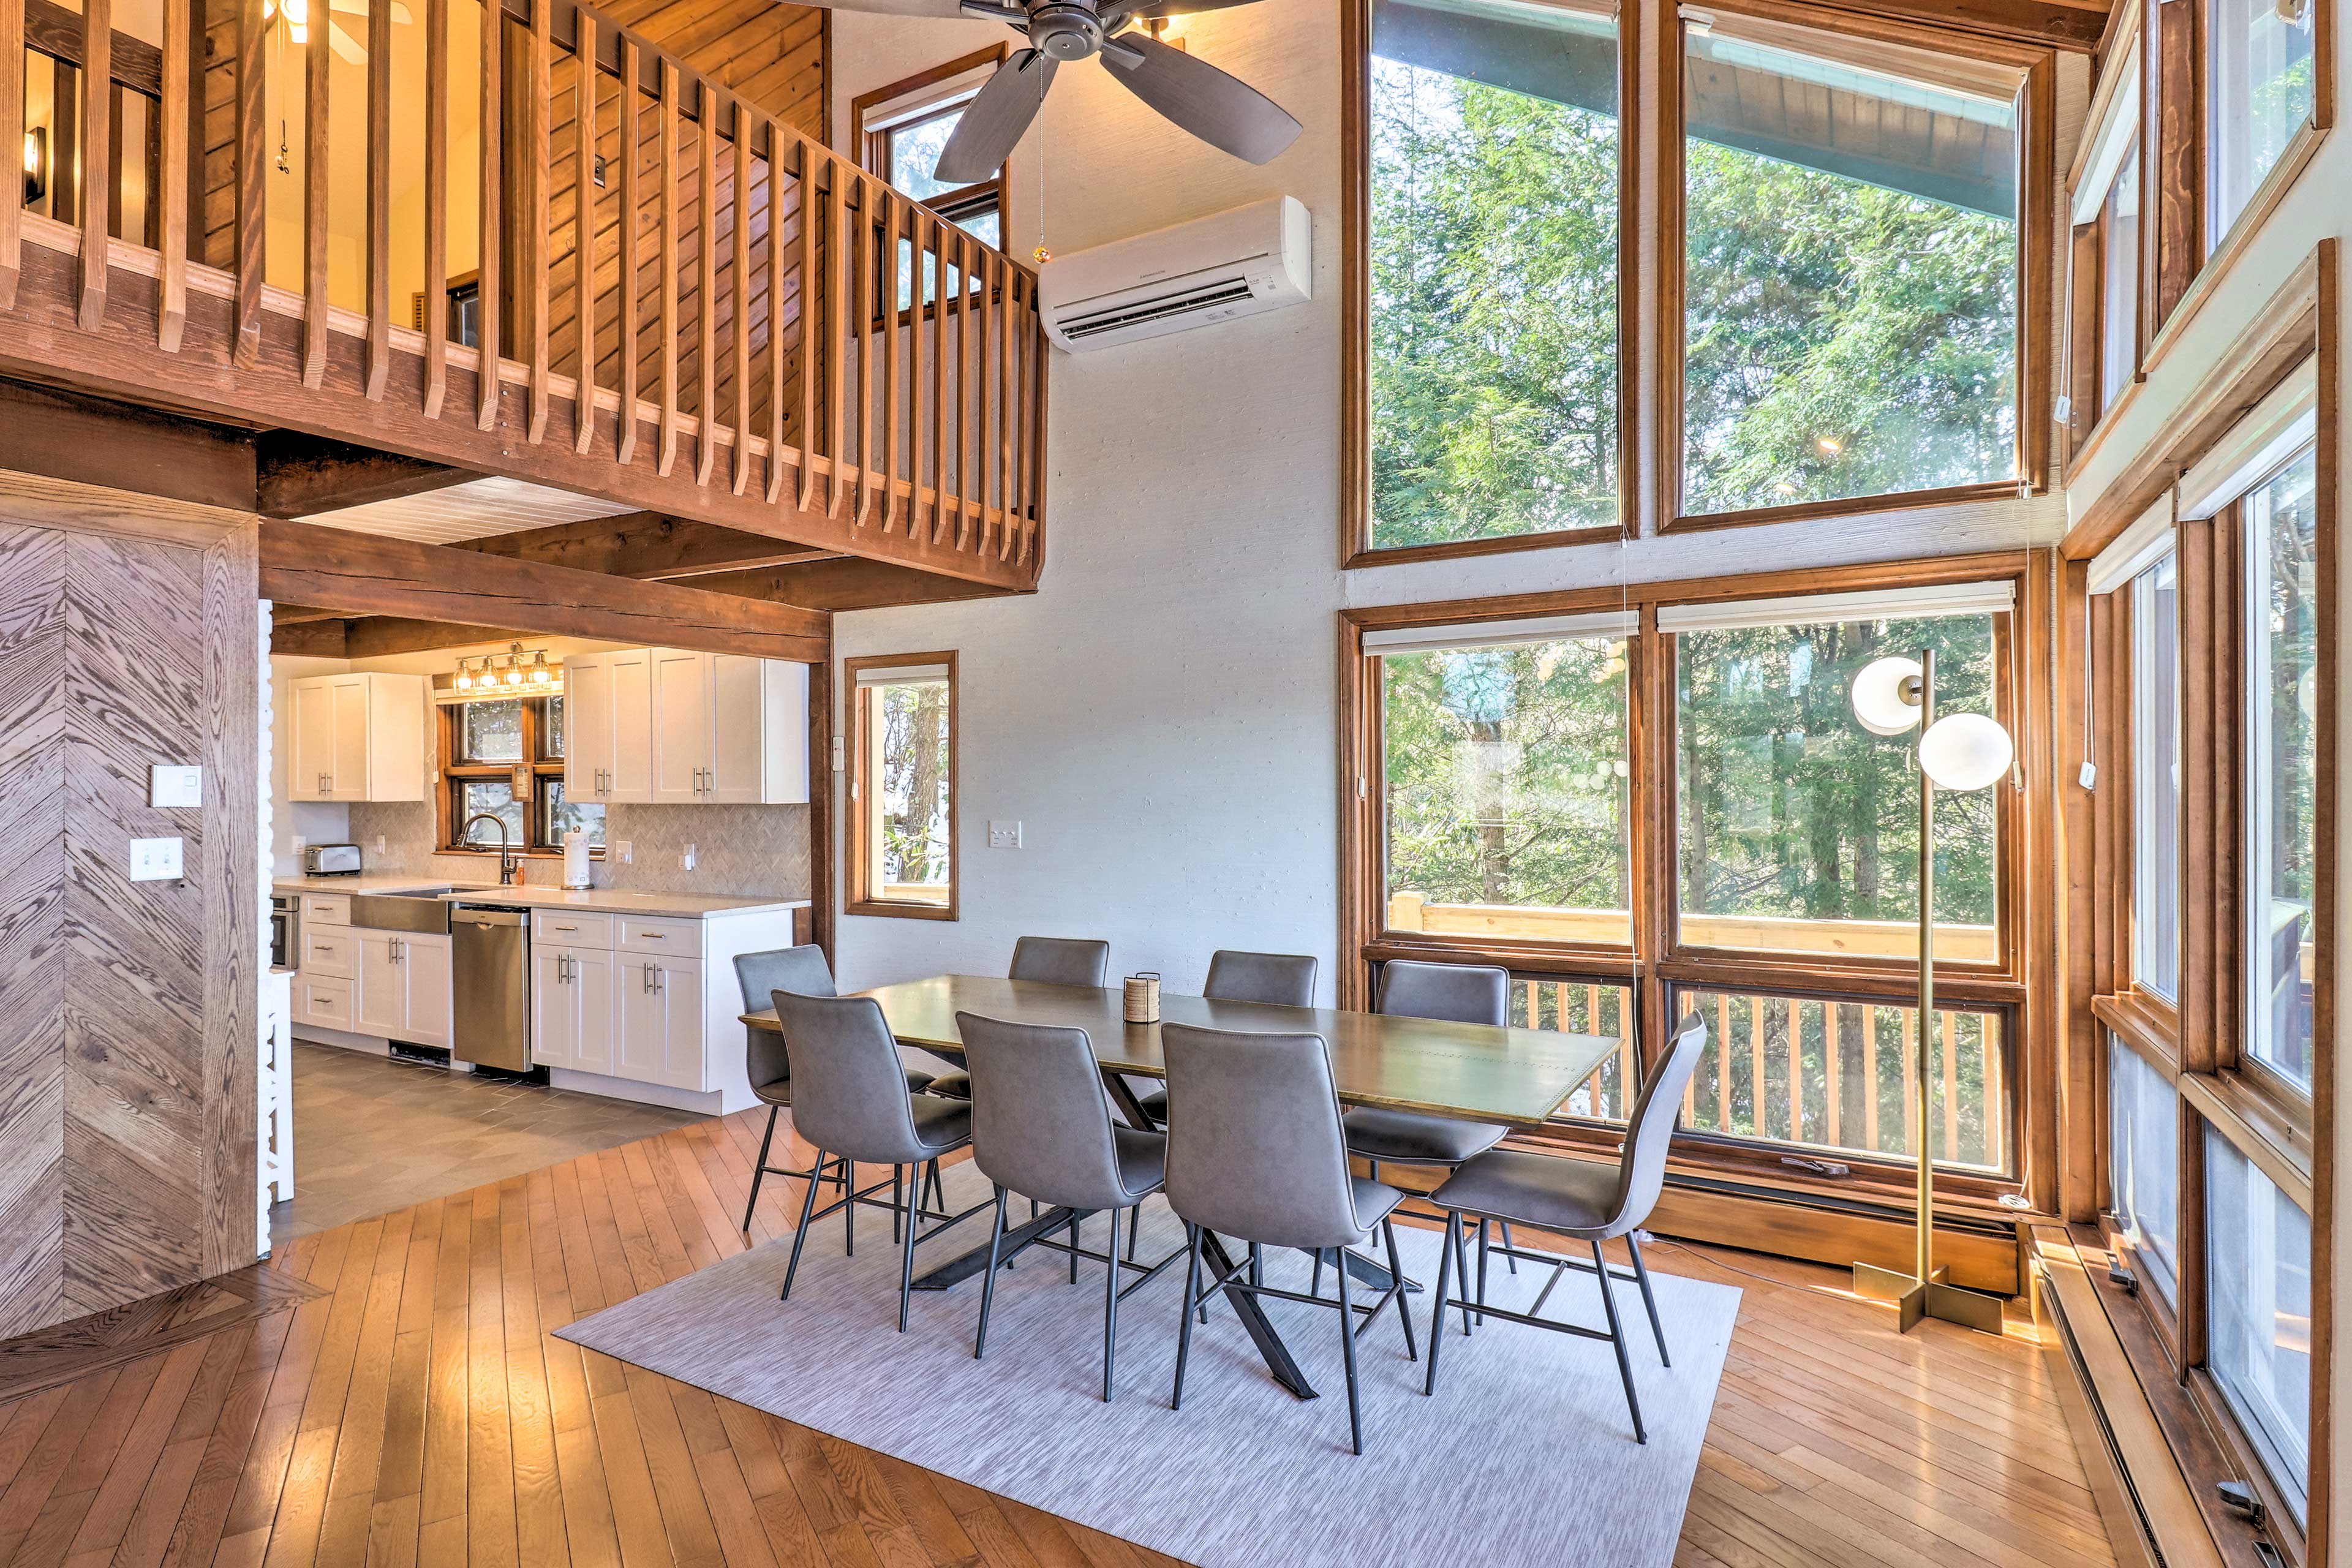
(1162, 716)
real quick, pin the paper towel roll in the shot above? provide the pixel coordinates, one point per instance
(575, 858)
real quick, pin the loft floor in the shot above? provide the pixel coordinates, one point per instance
(390, 1392)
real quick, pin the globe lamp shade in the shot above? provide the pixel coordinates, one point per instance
(1965, 752)
(1886, 696)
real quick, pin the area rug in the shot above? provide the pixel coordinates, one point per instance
(1525, 1456)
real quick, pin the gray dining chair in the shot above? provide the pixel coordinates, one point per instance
(1042, 960)
(1581, 1200)
(849, 1099)
(804, 971)
(1255, 1152)
(1272, 979)
(1041, 1127)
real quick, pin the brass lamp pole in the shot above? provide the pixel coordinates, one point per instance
(1889, 696)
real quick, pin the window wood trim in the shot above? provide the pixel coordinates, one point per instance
(860, 895)
(453, 776)
(870, 149)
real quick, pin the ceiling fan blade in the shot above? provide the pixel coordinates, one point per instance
(941, 8)
(992, 122)
(1223, 110)
(1146, 9)
(346, 45)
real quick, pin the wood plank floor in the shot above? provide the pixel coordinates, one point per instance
(417, 1410)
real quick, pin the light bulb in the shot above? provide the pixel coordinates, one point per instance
(514, 675)
(1965, 752)
(465, 675)
(1886, 695)
(540, 674)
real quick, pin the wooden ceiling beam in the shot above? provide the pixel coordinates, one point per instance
(300, 475)
(63, 435)
(645, 544)
(314, 565)
(845, 582)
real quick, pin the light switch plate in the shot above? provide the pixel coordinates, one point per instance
(155, 859)
(626, 852)
(173, 785)
(686, 858)
(1003, 834)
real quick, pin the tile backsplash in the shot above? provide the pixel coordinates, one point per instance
(740, 850)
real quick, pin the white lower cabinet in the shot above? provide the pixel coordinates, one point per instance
(401, 989)
(659, 1039)
(571, 1008)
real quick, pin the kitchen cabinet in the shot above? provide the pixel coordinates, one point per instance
(356, 738)
(403, 987)
(571, 1008)
(659, 1038)
(672, 727)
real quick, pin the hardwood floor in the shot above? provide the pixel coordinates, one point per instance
(417, 1410)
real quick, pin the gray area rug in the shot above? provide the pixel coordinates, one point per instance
(1525, 1456)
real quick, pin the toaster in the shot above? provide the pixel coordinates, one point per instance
(331, 861)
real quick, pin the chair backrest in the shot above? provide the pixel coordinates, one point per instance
(1039, 1122)
(849, 1090)
(1060, 961)
(1456, 992)
(802, 971)
(1641, 1173)
(1277, 979)
(1255, 1146)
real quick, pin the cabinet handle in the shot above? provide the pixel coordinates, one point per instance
(661, 980)
(652, 936)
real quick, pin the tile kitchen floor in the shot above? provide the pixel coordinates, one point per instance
(372, 1134)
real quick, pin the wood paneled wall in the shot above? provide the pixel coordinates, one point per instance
(128, 1011)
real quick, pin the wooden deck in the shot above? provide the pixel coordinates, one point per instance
(389, 1392)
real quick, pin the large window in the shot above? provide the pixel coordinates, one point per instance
(2260, 79)
(902, 129)
(902, 813)
(504, 759)
(2279, 520)
(2155, 779)
(1851, 268)
(2259, 1284)
(1494, 233)
(2144, 1167)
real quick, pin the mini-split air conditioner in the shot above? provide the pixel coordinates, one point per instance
(1238, 263)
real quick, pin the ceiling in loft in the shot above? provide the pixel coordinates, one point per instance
(474, 509)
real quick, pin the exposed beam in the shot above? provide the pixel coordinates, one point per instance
(94, 441)
(300, 475)
(314, 565)
(297, 614)
(312, 639)
(378, 637)
(845, 582)
(644, 544)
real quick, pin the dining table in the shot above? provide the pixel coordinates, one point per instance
(1504, 1076)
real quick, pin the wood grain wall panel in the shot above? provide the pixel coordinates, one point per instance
(129, 1010)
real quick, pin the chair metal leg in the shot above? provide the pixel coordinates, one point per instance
(1184, 1330)
(1316, 1288)
(1110, 1306)
(939, 1191)
(800, 1231)
(898, 1201)
(1257, 1264)
(1462, 1262)
(1134, 1229)
(848, 1209)
(988, 1290)
(1641, 1273)
(1617, 1339)
(905, 1253)
(1437, 1313)
(1073, 1249)
(1396, 1275)
(760, 1168)
(1508, 1245)
(1348, 1350)
(1485, 1228)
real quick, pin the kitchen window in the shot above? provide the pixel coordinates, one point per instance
(902, 786)
(505, 757)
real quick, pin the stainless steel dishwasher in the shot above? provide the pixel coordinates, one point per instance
(490, 987)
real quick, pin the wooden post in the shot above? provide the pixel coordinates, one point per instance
(379, 201)
(316, 56)
(861, 324)
(583, 228)
(170, 206)
(1723, 1061)
(836, 259)
(891, 222)
(917, 385)
(1756, 1090)
(1833, 1060)
(539, 133)
(624, 427)
(705, 282)
(805, 293)
(252, 177)
(666, 299)
(740, 290)
(1951, 1024)
(492, 270)
(11, 113)
(436, 323)
(97, 154)
(1870, 1078)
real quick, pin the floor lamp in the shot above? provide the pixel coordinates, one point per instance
(1963, 753)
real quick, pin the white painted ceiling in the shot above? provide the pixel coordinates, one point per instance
(474, 509)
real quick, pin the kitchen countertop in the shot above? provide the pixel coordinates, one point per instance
(611, 900)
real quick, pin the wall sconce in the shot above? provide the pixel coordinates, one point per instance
(37, 164)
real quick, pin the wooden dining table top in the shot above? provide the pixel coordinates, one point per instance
(1475, 1072)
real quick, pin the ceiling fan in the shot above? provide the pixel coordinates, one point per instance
(1219, 109)
(297, 13)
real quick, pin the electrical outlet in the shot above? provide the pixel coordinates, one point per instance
(625, 852)
(379, 844)
(1003, 834)
(686, 858)
(154, 860)
(300, 844)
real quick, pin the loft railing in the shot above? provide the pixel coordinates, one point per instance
(762, 316)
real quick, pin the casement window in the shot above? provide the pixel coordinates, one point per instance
(900, 130)
(505, 757)
(2258, 1284)
(2260, 82)
(902, 781)
(1664, 806)
(2144, 1167)
(2105, 258)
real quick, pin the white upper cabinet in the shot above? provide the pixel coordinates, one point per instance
(357, 736)
(670, 727)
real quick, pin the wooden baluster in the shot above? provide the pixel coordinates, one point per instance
(1996, 1121)
(379, 201)
(1832, 1064)
(1039, 355)
(1950, 1147)
(1758, 1094)
(811, 343)
(861, 324)
(316, 182)
(706, 281)
(583, 228)
(629, 129)
(666, 297)
(775, 266)
(941, 242)
(492, 270)
(977, 375)
(1723, 1061)
(171, 206)
(436, 206)
(1870, 1078)
(12, 114)
(1017, 406)
(1910, 1075)
(539, 132)
(892, 219)
(740, 292)
(1007, 530)
(838, 337)
(252, 179)
(97, 174)
(919, 224)
(972, 492)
